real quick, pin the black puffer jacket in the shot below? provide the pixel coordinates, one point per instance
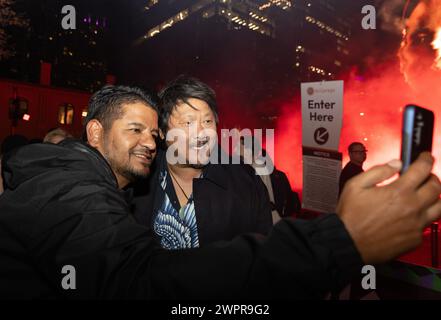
(62, 207)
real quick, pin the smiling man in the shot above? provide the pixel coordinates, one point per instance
(125, 136)
(191, 201)
(69, 187)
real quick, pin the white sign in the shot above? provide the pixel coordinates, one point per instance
(321, 172)
(322, 112)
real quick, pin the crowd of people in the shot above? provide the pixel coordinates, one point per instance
(135, 224)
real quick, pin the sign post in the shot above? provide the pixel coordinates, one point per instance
(322, 116)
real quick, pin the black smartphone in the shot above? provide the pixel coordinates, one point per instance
(417, 134)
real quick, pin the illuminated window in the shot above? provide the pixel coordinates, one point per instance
(167, 24)
(18, 108)
(329, 29)
(300, 49)
(208, 13)
(317, 70)
(181, 16)
(83, 115)
(283, 4)
(65, 114)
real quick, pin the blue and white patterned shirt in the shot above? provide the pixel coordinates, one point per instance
(176, 230)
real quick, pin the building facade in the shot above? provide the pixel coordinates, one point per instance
(40, 108)
(79, 57)
(252, 52)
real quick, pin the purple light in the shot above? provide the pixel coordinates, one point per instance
(97, 23)
(89, 20)
(85, 20)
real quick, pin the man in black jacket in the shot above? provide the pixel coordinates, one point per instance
(194, 202)
(64, 209)
(357, 155)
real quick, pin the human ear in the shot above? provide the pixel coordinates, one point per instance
(95, 131)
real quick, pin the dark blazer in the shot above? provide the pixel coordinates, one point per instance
(349, 171)
(230, 200)
(287, 202)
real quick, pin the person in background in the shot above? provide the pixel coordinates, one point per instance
(56, 135)
(284, 201)
(357, 155)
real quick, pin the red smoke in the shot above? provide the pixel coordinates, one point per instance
(372, 115)
(373, 106)
(288, 143)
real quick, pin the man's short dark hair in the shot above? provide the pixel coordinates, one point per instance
(105, 105)
(354, 144)
(180, 90)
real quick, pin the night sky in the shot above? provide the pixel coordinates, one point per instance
(127, 23)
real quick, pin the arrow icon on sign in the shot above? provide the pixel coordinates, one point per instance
(321, 135)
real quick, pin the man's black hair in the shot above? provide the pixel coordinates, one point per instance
(179, 91)
(106, 104)
(354, 144)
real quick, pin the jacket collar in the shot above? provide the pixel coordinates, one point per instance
(94, 154)
(216, 174)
